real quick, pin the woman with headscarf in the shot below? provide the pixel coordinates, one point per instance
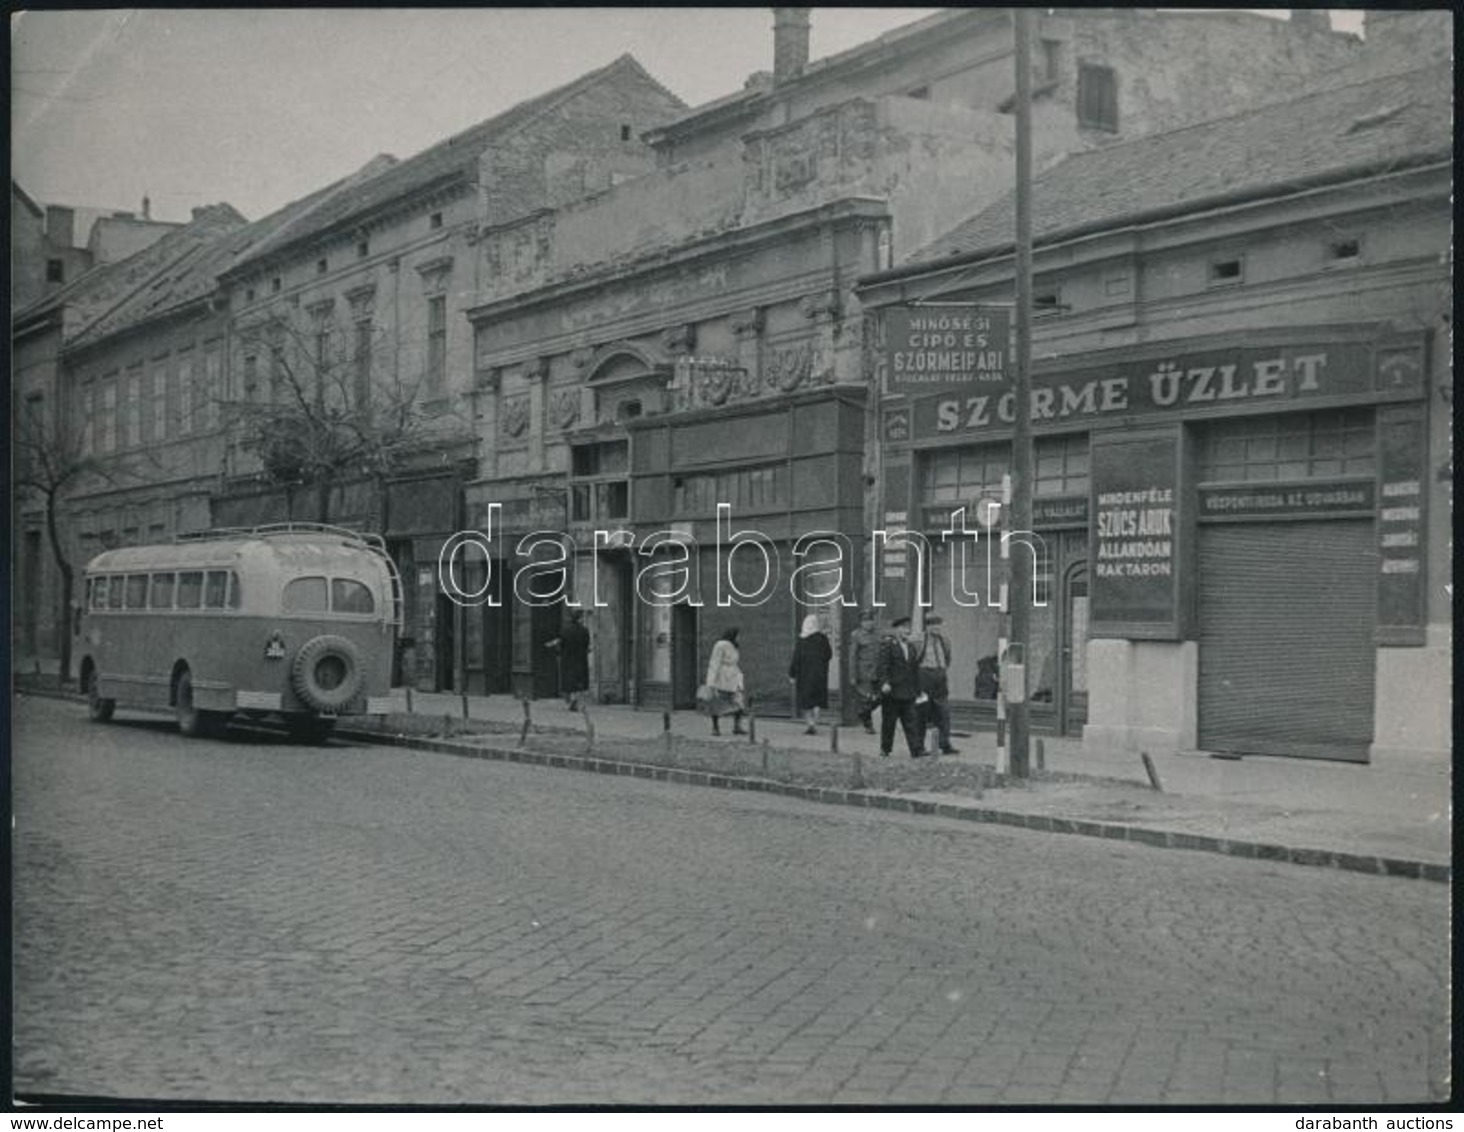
(722, 693)
(809, 671)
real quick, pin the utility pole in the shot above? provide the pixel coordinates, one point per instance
(1019, 591)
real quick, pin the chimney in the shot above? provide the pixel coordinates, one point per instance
(1312, 19)
(790, 43)
(146, 208)
(60, 225)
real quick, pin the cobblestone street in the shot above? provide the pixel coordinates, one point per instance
(245, 920)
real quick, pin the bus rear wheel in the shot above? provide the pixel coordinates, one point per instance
(193, 721)
(100, 710)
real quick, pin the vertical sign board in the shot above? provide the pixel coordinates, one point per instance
(1136, 534)
(1402, 443)
(891, 560)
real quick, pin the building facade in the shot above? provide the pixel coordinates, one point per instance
(613, 334)
(1240, 409)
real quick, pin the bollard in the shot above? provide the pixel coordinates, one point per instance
(409, 699)
(446, 725)
(589, 728)
(1152, 773)
(1041, 755)
(834, 738)
(765, 756)
(751, 727)
(465, 705)
(528, 719)
(666, 721)
(666, 741)
(856, 780)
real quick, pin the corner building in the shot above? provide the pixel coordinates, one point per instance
(1240, 407)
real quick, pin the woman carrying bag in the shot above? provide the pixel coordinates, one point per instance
(722, 693)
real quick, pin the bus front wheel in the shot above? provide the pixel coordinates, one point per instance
(100, 710)
(193, 721)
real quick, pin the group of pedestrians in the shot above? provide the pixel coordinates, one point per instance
(905, 680)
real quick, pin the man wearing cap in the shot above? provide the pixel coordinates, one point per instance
(935, 661)
(863, 656)
(897, 672)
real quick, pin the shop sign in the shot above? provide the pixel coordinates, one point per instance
(895, 525)
(1207, 380)
(1282, 501)
(945, 349)
(1400, 525)
(897, 423)
(1049, 511)
(1135, 536)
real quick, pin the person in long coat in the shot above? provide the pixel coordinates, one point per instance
(809, 671)
(573, 645)
(722, 693)
(898, 673)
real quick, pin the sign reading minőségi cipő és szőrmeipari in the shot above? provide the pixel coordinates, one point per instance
(1210, 380)
(945, 349)
(1135, 528)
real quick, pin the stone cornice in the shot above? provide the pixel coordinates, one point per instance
(847, 211)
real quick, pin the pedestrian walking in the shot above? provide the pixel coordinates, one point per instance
(809, 671)
(573, 647)
(898, 673)
(863, 656)
(722, 693)
(935, 663)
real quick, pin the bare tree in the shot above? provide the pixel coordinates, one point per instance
(53, 458)
(322, 416)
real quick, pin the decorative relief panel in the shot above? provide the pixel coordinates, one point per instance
(787, 369)
(748, 323)
(564, 407)
(679, 339)
(513, 416)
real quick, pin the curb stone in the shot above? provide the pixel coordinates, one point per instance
(1044, 823)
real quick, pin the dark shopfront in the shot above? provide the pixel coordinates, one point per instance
(1222, 550)
(785, 468)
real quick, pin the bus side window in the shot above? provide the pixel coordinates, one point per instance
(114, 592)
(350, 596)
(161, 596)
(236, 595)
(136, 591)
(216, 592)
(190, 589)
(304, 595)
(99, 593)
(91, 594)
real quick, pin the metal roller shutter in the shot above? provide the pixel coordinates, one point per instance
(1286, 648)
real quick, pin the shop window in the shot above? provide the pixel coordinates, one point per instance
(1295, 446)
(1061, 465)
(958, 474)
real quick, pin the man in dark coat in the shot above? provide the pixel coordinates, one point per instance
(573, 645)
(897, 673)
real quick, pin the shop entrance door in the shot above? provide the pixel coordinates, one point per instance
(685, 676)
(1073, 672)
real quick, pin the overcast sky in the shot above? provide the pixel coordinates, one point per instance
(258, 108)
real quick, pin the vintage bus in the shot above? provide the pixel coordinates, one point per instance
(293, 620)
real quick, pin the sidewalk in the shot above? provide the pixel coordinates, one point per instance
(1388, 818)
(1395, 811)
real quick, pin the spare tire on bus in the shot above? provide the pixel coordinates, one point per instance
(326, 673)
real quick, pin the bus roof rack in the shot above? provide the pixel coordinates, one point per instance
(269, 530)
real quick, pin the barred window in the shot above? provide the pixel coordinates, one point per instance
(1061, 465)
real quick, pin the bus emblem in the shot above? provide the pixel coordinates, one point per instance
(274, 648)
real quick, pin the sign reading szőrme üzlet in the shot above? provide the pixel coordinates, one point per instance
(942, 349)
